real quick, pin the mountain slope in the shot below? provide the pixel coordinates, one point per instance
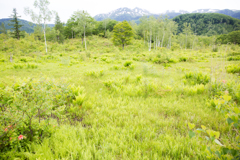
(27, 26)
(208, 23)
(136, 13)
(123, 14)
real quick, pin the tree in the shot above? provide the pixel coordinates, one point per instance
(122, 34)
(38, 31)
(83, 24)
(105, 23)
(3, 29)
(68, 29)
(44, 15)
(187, 30)
(59, 29)
(15, 24)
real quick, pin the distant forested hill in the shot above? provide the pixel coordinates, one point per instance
(208, 23)
(27, 26)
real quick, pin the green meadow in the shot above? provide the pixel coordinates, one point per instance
(109, 103)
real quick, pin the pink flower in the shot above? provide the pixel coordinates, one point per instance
(10, 138)
(224, 81)
(20, 137)
(5, 129)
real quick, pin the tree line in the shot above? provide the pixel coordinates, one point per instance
(184, 31)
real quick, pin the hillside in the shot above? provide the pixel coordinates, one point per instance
(208, 23)
(27, 26)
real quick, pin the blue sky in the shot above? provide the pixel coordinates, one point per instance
(65, 8)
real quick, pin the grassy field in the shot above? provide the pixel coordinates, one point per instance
(135, 104)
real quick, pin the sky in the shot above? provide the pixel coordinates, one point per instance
(66, 8)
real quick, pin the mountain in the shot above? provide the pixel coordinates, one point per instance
(27, 26)
(136, 13)
(208, 23)
(125, 13)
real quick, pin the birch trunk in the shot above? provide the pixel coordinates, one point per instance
(150, 42)
(45, 36)
(85, 39)
(170, 42)
(156, 42)
(144, 38)
(162, 39)
(186, 42)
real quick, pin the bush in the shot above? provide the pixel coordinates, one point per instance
(234, 68)
(3, 60)
(18, 66)
(127, 63)
(23, 59)
(30, 109)
(95, 74)
(234, 58)
(197, 78)
(234, 54)
(32, 65)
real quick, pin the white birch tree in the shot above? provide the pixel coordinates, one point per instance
(84, 22)
(42, 17)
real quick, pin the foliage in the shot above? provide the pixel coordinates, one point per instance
(197, 78)
(104, 110)
(232, 37)
(82, 24)
(3, 28)
(44, 15)
(16, 26)
(29, 109)
(208, 23)
(122, 34)
(59, 29)
(234, 68)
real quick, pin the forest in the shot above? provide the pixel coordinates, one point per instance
(160, 89)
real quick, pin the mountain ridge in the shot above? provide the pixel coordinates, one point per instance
(128, 14)
(27, 26)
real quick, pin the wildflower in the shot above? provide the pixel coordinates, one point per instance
(224, 81)
(5, 129)
(10, 138)
(226, 92)
(20, 137)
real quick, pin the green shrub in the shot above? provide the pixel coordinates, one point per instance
(3, 60)
(194, 78)
(234, 54)
(96, 74)
(32, 65)
(127, 63)
(31, 107)
(234, 68)
(234, 58)
(23, 59)
(18, 66)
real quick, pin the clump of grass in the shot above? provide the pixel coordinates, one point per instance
(194, 78)
(18, 66)
(234, 68)
(194, 90)
(96, 74)
(23, 59)
(234, 58)
(3, 60)
(32, 66)
(127, 63)
(234, 54)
